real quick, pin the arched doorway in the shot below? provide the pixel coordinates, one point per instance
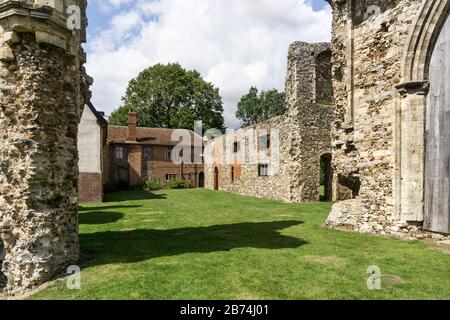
(216, 178)
(437, 136)
(326, 177)
(201, 180)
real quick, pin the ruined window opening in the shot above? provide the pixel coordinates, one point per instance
(236, 146)
(326, 178)
(263, 170)
(232, 174)
(264, 142)
(323, 81)
(351, 184)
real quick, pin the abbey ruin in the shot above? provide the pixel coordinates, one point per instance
(391, 64)
(388, 133)
(294, 142)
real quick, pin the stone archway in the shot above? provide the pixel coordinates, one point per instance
(410, 110)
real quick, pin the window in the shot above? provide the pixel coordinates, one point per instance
(232, 174)
(236, 147)
(171, 176)
(263, 170)
(119, 153)
(168, 156)
(147, 154)
(264, 142)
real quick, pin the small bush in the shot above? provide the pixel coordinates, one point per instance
(177, 184)
(152, 185)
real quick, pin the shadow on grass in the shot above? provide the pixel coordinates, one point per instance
(121, 196)
(99, 217)
(85, 209)
(138, 245)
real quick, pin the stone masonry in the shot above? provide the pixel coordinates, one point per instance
(43, 87)
(298, 138)
(381, 52)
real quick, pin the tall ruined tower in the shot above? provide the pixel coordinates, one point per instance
(309, 96)
(43, 88)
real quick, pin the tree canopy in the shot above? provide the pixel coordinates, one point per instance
(255, 107)
(168, 96)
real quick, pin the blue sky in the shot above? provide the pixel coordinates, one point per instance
(234, 43)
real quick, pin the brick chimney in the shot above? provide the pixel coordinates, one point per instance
(132, 124)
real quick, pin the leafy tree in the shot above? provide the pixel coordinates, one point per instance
(168, 96)
(256, 107)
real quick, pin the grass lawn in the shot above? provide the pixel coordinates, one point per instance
(201, 244)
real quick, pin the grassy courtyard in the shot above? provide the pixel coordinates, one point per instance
(201, 244)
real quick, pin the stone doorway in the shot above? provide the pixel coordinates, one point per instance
(201, 180)
(216, 178)
(437, 133)
(326, 177)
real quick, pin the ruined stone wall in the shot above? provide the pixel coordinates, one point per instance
(369, 47)
(43, 89)
(298, 138)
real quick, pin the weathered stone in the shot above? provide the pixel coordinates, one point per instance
(380, 85)
(43, 93)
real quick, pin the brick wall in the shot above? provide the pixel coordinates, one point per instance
(91, 187)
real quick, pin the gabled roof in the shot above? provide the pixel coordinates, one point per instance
(100, 119)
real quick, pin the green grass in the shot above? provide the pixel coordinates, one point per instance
(201, 244)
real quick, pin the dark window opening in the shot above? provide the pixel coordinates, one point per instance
(263, 170)
(236, 147)
(264, 142)
(232, 174)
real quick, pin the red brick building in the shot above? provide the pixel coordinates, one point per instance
(135, 154)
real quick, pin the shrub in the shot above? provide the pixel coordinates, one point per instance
(152, 185)
(177, 184)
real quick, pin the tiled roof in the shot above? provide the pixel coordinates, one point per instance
(147, 136)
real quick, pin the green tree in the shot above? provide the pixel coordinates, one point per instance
(168, 96)
(255, 107)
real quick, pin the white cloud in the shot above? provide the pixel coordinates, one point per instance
(234, 43)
